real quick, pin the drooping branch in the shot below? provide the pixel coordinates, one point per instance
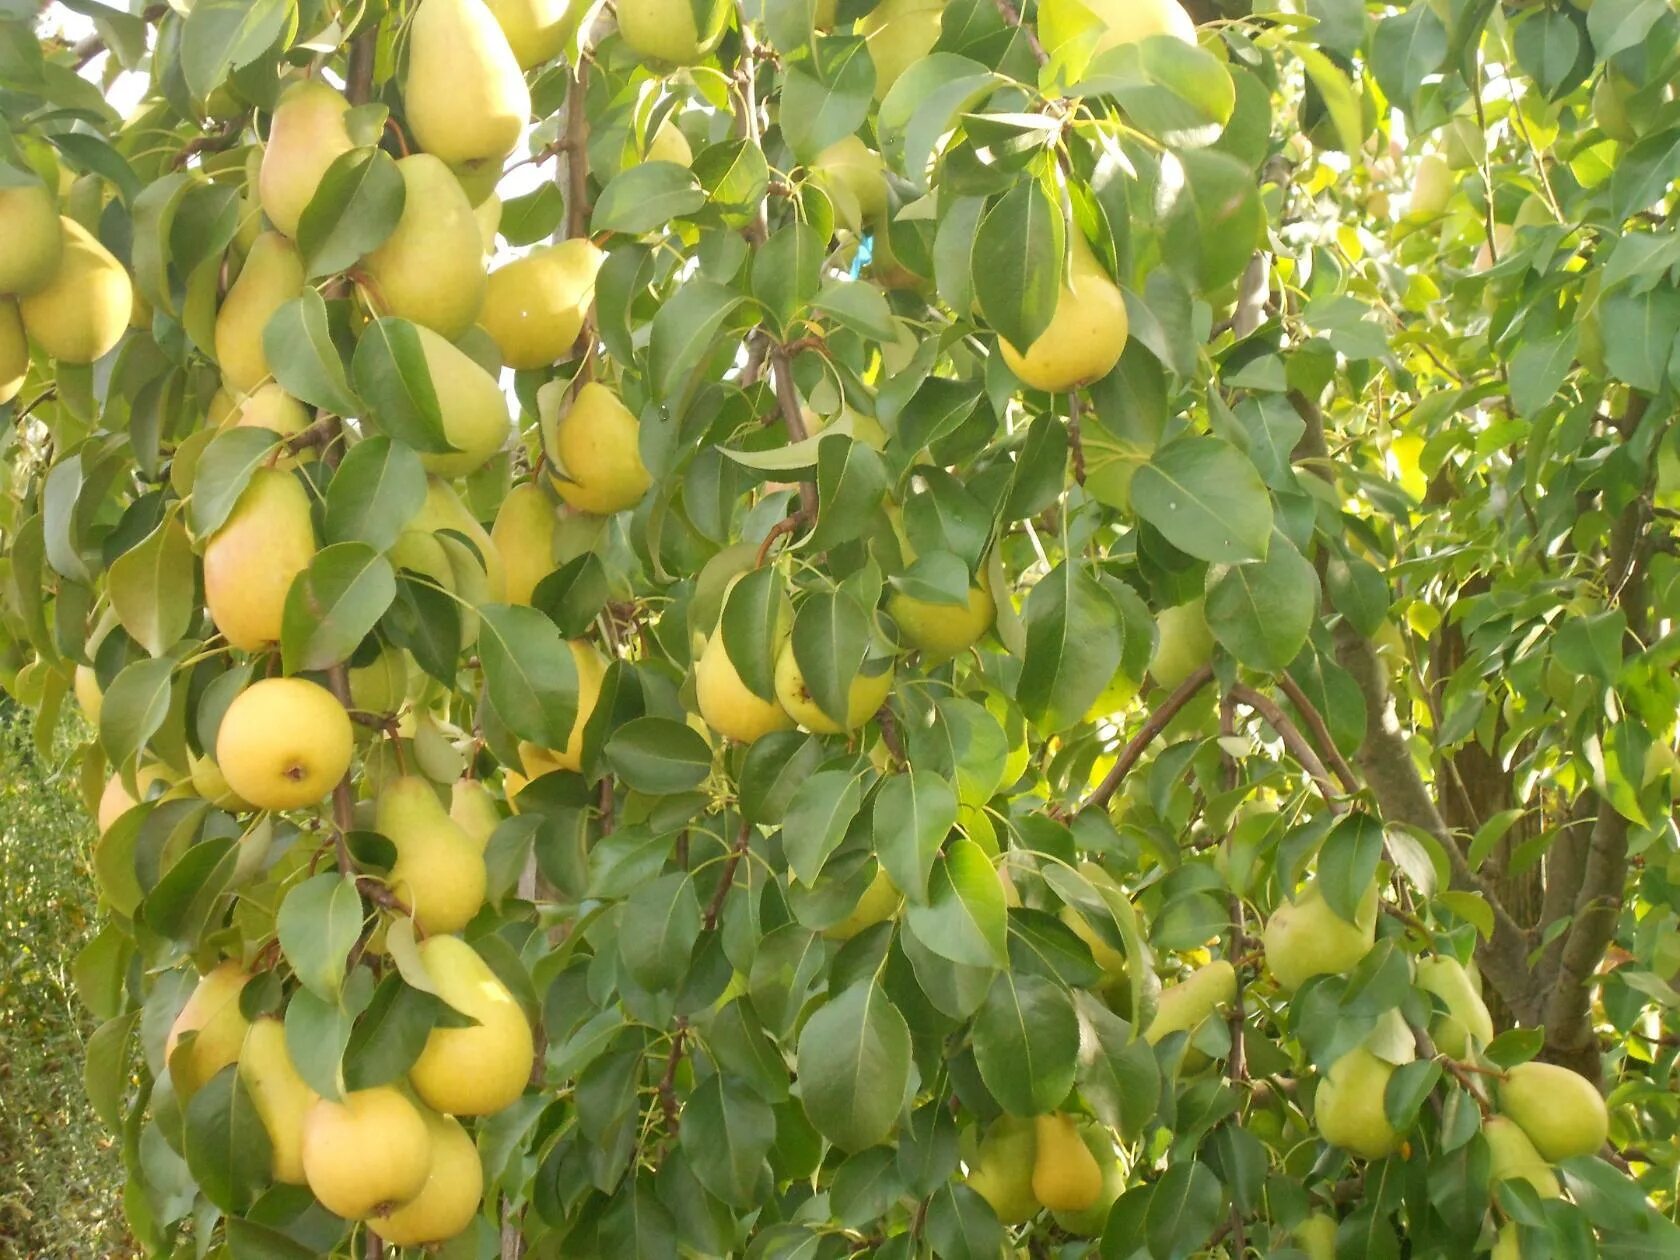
(1159, 719)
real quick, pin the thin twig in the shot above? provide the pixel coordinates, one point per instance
(1298, 745)
(1320, 730)
(726, 880)
(668, 1083)
(1159, 719)
(1012, 17)
(1076, 441)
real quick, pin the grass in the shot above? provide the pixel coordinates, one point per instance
(61, 1172)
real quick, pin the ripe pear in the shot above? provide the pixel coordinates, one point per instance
(1466, 1017)
(272, 408)
(212, 1014)
(1003, 1170)
(280, 1095)
(1182, 1007)
(880, 902)
(1306, 938)
(209, 783)
(1119, 21)
(81, 313)
(115, 801)
(1512, 1157)
(1086, 334)
(14, 351)
(465, 95)
(664, 31)
(596, 442)
(727, 705)
(941, 631)
(536, 30)
(855, 178)
(1432, 188)
(284, 743)
(488, 215)
(1111, 960)
(474, 811)
(534, 307)
(867, 694)
(1561, 1111)
(473, 407)
(443, 510)
(524, 535)
(34, 238)
(1508, 1244)
(668, 144)
(478, 1070)
(1066, 1176)
(251, 561)
(439, 872)
(1183, 643)
(271, 277)
(591, 670)
(1090, 1222)
(366, 1153)
(431, 268)
(898, 34)
(1316, 1236)
(89, 698)
(1349, 1106)
(449, 1200)
(307, 135)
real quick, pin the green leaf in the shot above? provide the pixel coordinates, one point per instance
(851, 482)
(1548, 48)
(1074, 645)
(374, 493)
(658, 756)
(962, 1226)
(1175, 91)
(318, 1030)
(860, 307)
(1340, 100)
(1185, 1207)
(1207, 499)
(1262, 612)
(227, 1147)
(1214, 218)
(683, 333)
(1617, 25)
(753, 625)
(135, 707)
(318, 924)
(646, 196)
(825, 93)
(1017, 263)
(853, 1065)
(658, 929)
(224, 470)
(534, 216)
(817, 818)
(393, 374)
(305, 362)
(1639, 332)
(1347, 864)
(726, 1132)
(333, 605)
(1026, 1043)
(151, 587)
(391, 1033)
(1407, 49)
(913, 814)
(223, 35)
(529, 673)
(787, 271)
(105, 1067)
(1118, 1075)
(830, 637)
(1591, 644)
(965, 919)
(355, 208)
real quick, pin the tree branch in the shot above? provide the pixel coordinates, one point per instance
(726, 881)
(1012, 17)
(1320, 733)
(1159, 719)
(1297, 743)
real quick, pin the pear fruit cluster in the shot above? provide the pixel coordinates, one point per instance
(1056, 1162)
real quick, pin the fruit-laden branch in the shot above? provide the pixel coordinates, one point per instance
(1298, 745)
(1159, 719)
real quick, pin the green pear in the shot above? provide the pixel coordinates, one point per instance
(34, 238)
(366, 1152)
(465, 95)
(439, 872)
(1512, 1157)
(1002, 1171)
(1466, 1018)
(1561, 1111)
(1183, 643)
(380, 686)
(1316, 1236)
(668, 144)
(1306, 938)
(534, 307)
(1086, 334)
(591, 669)
(488, 214)
(249, 563)
(284, 743)
(1508, 1244)
(280, 1095)
(271, 277)
(1349, 1105)
(855, 178)
(473, 407)
(1111, 960)
(449, 1200)
(879, 902)
(941, 631)
(14, 351)
(597, 447)
(82, 311)
(431, 268)
(727, 704)
(1432, 188)
(307, 135)
(1182, 1007)
(1611, 107)
(473, 809)
(1115, 22)
(898, 34)
(665, 31)
(478, 1070)
(524, 535)
(1066, 1176)
(212, 1015)
(1090, 1222)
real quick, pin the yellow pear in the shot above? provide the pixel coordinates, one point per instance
(596, 443)
(251, 561)
(1111, 960)
(668, 144)
(664, 31)
(1316, 1236)
(478, 1070)
(439, 872)
(1306, 938)
(1066, 1176)
(867, 694)
(81, 313)
(271, 277)
(465, 95)
(1561, 1111)
(1003, 1168)
(1119, 21)
(1183, 643)
(1512, 1157)
(1466, 1018)
(1349, 1106)
(89, 698)
(443, 510)
(284, 743)
(474, 811)
(855, 178)
(431, 268)
(34, 238)
(727, 705)
(536, 30)
(14, 351)
(1090, 1222)
(1086, 334)
(524, 535)
(1182, 1007)
(280, 1095)
(1508, 1244)
(488, 215)
(898, 34)
(473, 407)
(365, 1153)
(212, 1015)
(115, 801)
(270, 407)
(941, 631)
(880, 902)
(449, 1200)
(591, 670)
(211, 784)
(535, 306)
(307, 135)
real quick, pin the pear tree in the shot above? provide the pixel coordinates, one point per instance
(926, 628)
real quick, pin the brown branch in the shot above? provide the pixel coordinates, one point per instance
(1076, 441)
(320, 434)
(786, 526)
(358, 69)
(889, 733)
(577, 151)
(1012, 17)
(1298, 745)
(1159, 719)
(225, 137)
(1320, 731)
(668, 1083)
(787, 398)
(726, 881)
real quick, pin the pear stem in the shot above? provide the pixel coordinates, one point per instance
(1159, 719)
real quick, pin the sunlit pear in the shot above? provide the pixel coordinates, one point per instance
(90, 699)
(880, 902)
(282, 1097)
(1561, 1111)
(1349, 1106)
(449, 1200)
(1466, 1018)
(488, 215)
(898, 34)
(82, 311)
(465, 95)
(591, 671)
(473, 407)
(1306, 938)
(271, 277)
(444, 510)
(940, 631)
(867, 694)
(1118, 21)
(250, 562)
(1432, 188)
(481, 1069)
(270, 407)
(307, 135)
(430, 269)
(14, 351)
(536, 30)
(668, 144)
(1316, 1236)
(115, 800)
(1089, 1222)
(29, 225)
(1111, 960)
(596, 443)
(1183, 643)
(439, 872)
(855, 177)
(664, 31)
(1066, 1176)
(1087, 333)
(211, 784)
(366, 1153)
(1002, 1172)
(535, 306)
(212, 1015)
(380, 686)
(524, 535)
(473, 809)
(284, 743)
(1512, 1157)
(1182, 1007)
(727, 704)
